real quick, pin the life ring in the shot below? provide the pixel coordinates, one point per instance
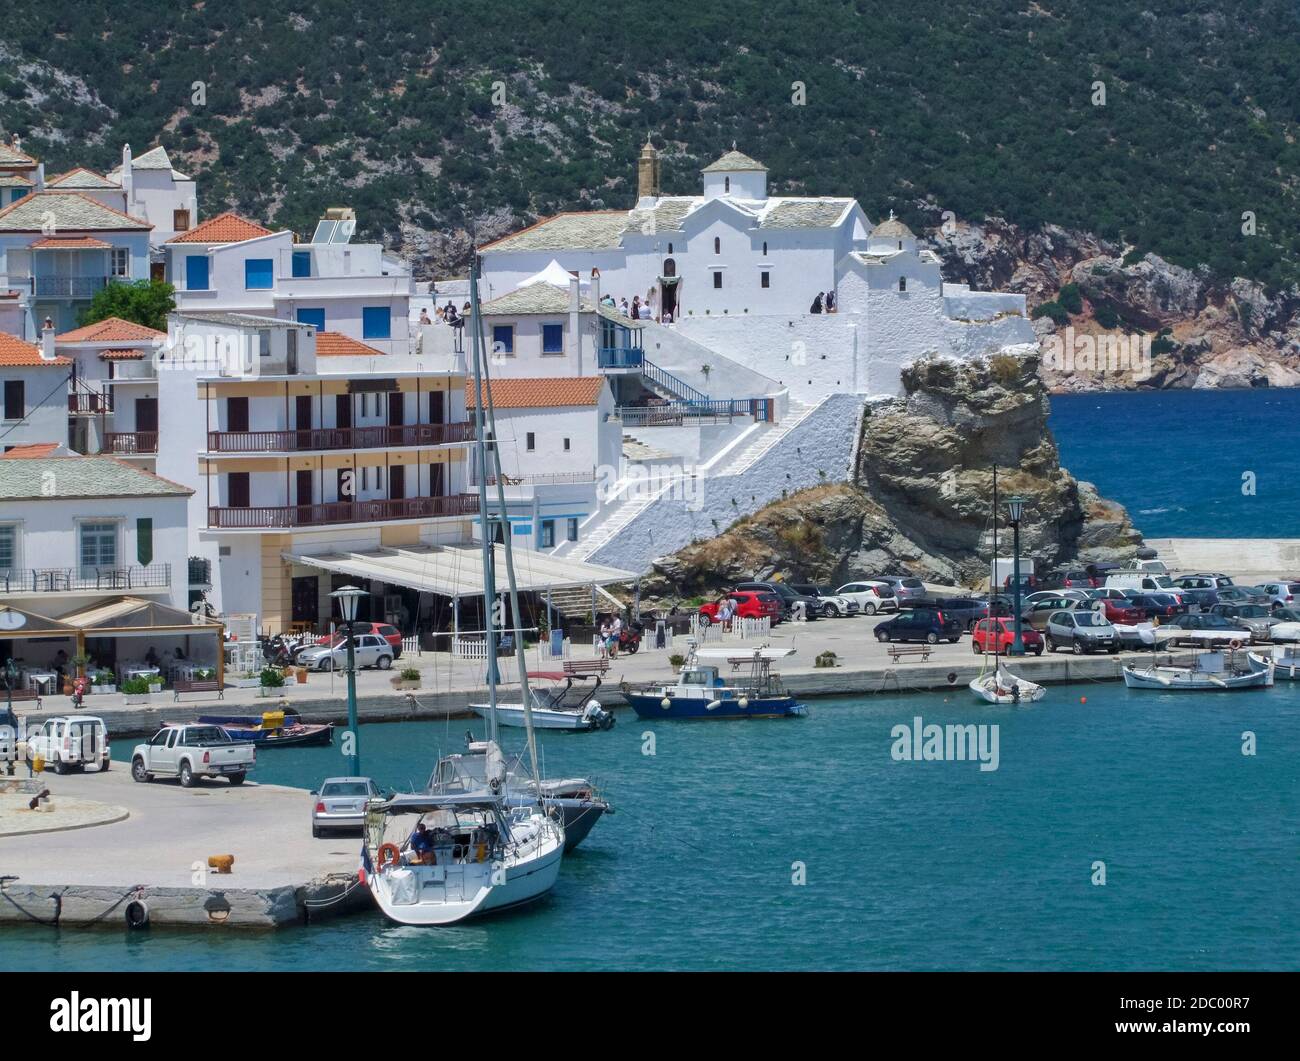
(1235, 644)
(389, 850)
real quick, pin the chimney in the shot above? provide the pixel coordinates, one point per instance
(127, 182)
(575, 335)
(595, 286)
(647, 172)
(40, 176)
(574, 304)
(47, 340)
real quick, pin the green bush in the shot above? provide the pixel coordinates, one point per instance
(1070, 299)
(410, 674)
(676, 660)
(144, 302)
(1053, 310)
(1107, 317)
(271, 678)
(825, 659)
(135, 685)
(104, 677)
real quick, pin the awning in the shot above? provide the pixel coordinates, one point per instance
(123, 615)
(457, 570)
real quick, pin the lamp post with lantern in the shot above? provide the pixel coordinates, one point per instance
(348, 598)
(1015, 510)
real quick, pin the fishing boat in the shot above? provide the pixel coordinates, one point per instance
(480, 856)
(700, 691)
(437, 858)
(1285, 662)
(482, 768)
(1000, 686)
(562, 708)
(273, 729)
(1207, 674)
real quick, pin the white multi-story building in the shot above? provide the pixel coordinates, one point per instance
(35, 382)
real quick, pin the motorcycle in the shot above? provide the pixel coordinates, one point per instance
(629, 638)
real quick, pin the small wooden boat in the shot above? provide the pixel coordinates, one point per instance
(273, 729)
(1003, 687)
(1285, 662)
(1206, 675)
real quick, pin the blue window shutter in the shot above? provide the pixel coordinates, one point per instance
(503, 338)
(552, 338)
(302, 263)
(376, 323)
(196, 272)
(314, 317)
(258, 274)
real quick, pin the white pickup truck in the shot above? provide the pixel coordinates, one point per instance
(191, 752)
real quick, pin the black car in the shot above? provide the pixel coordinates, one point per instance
(920, 624)
(788, 598)
(966, 610)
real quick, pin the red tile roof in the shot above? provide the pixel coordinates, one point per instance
(557, 392)
(111, 330)
(34, 449)
(14, 353)
(122, 355)
(335, 344)
(224, 228)
(69, 243)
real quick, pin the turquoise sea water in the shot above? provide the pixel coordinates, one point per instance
(908, 865)
(1176, 459)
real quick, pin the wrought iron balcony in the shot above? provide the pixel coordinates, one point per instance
(87, 579)
(257, 517)
(129, 443)
(339, 438)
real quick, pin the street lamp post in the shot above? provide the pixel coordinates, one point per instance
(1016, 509)
(348, 597)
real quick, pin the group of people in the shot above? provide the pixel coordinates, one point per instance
(636, 310)
(823, 303)
(447, 314)
(611, 632)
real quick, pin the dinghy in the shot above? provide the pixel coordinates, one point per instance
(1002, 687)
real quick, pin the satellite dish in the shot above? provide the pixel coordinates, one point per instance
(12, 620)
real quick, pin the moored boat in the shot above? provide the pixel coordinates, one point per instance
(700, 692)
(1285, 662)
(1208, 673)
(1002, 687)
(273, 729)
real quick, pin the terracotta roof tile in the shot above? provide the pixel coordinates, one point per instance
(15, 353)
(35, 449)
(556, 392)
(224, 228)
(122, 355)
(111, 330)
(69, 243)
(335, 344)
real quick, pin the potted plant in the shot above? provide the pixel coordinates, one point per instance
(300, 675)
(250, 679)
(104, 682)
(136, 690)
(271, 681)
(205, 674)
(408, 678)
(155, 683)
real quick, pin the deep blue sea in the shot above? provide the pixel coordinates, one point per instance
(1176, 459)
(909, 865)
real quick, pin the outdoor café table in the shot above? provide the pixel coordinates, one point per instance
(140, 672)
(43, 681)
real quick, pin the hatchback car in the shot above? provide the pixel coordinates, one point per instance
(388, 632)
(966, 610)
(1282, 594)
(833, 605)
(1037, 614)
(920, 624)
(1203, 629)
(1256, 619)
(907, 589)
(998, 635)
(340, 803)
(371, 650)
(1157, 606)
(871, 596)
(1081, 632)
(745, 604)
(787, 596)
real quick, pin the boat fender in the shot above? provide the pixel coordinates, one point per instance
(713, 705)
(389, 854)
(1235, 644)
(495, 785)
(665, 703)
(744, 702)
(137, 914)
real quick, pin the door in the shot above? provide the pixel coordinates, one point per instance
(303, 487)
(343, 410)
(302, 420)
(146, 415)
(396, 408)
(305, 599)
(397, 482)
(236, 414)
(437, 474)
(437, 407)
(238, 492)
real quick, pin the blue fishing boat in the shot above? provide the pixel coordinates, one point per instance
(702, 692)
(273, 729)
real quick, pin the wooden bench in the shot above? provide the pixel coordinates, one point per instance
(19, 695)
(574, 668)
(211, 686)
(897, 652)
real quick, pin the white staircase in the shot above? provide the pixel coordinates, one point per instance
(752, 447)
(627, 500)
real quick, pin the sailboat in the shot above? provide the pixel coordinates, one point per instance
(1000, 686)
(438, 858)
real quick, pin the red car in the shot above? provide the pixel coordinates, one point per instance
(748, 604)
(1120, 611)
(1000, 632)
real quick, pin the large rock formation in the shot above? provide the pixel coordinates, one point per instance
(921, 498)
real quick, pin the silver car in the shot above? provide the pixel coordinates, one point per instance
(908, 589)
(1080, 631)
(340, 804)
(371, 651)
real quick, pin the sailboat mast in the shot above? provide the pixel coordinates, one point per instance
(480, 457)
(487, 412)
(993, 568)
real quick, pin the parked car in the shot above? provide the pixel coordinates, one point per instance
(1201, 621)
(1000, 633)
(1147, 565)
(966, 610)
(1257, 619)
(748, 604)
(1027, 582)
(1107, 593)
(1120, 610)
(1143, 583)
(193, 752)
(340, 803)
(920, 624)
(833, 605)
(788, 597)
(1243, 595)
(1072, 578)
(1282, 594)
(1157, 606)
(1037, 614)
(388, 632)
(1056, 594)
(907, 589)
(870, 596)
(1081, 631)
(370, 650)
(68, 743)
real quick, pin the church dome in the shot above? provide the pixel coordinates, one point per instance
(892, 229)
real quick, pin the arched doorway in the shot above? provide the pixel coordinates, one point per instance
(669, 282)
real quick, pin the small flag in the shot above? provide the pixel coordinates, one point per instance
(367, 867)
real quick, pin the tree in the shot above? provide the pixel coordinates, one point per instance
(144, 302)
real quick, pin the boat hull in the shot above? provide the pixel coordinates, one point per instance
(1006, 689)
(650, 706)
(543, 718)
(1285, 666)
(1185, 680)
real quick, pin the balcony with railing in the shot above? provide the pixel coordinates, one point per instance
(130, 443)
(69, 286)
(289, 517)
(37, 580)
(84, 400)
(620, 346)
(340, 438)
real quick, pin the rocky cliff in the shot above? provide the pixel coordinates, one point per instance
(1195, 331)
(920, 501)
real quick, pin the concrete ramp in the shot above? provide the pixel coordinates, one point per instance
(1232, 556)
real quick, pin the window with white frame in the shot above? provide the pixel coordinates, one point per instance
(8, 550)
(98, 547)
(572, 528)
(548, 533)
(120, 261)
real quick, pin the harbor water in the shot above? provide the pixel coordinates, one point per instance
(904, 864)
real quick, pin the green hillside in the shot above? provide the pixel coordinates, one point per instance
(982, 106)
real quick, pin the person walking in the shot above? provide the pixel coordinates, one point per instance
(817, 303)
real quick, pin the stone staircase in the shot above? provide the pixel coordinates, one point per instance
(575, 603)
(614, 515)
(754, 446)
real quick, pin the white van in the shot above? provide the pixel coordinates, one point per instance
(70, 743)
(1145, 582)
(1149, 567)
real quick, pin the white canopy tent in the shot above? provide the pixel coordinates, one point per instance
(554, 274)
